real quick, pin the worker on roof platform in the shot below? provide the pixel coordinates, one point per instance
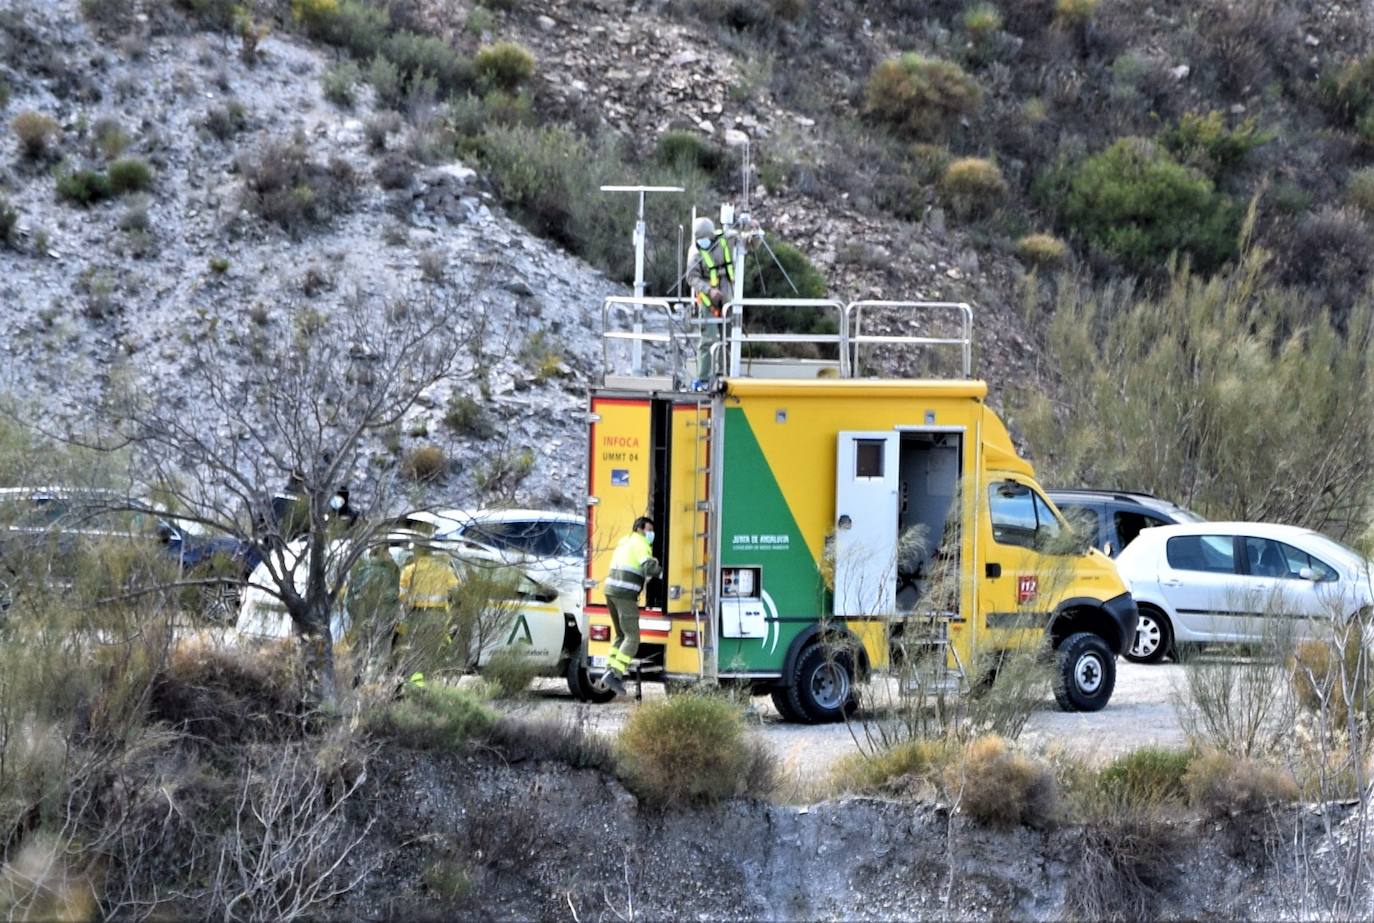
(711, 274)
(632, 564)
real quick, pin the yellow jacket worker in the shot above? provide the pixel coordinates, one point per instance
(632, 564)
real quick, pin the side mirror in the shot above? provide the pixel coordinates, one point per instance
(1307, 573)
(1107, 549)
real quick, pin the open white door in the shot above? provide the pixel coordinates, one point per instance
(866, 523)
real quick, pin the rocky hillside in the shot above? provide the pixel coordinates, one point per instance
(89, 289)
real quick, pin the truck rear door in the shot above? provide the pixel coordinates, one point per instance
(866, 474)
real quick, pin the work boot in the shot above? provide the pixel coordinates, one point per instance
(612, 681)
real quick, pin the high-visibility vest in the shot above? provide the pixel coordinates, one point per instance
(713, 271)
(426, 583)
(627, 565)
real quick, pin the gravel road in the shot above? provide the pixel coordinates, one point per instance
(1141, 712)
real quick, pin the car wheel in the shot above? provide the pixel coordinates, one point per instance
(822, 687)
(1086, 673)
(581, 686)
(1153, 637)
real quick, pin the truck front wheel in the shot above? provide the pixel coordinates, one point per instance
(1086, 674)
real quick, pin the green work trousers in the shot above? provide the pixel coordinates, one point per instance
(625, 620)
(707, 364)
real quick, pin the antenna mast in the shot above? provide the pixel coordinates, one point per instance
(637, 347)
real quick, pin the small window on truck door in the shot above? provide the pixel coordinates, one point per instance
(1021, 517)
(868, 458)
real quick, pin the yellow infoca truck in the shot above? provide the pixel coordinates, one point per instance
(786, 497)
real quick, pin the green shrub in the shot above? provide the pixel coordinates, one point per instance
(1240, 791)
(446, 881)
(1137, 203)
(1000, 788)
(480, 20)
(982, 21)
(425, 463)
(431, 717)
(466, 417)
(920, 97)
(905, 767)
(385, 78)
(510, 671)
(973, 186)
(502, 472)
(285, 185)
(226, 120)
(504, 65)
(1205, 142)
(129, 175)
(692, 749)
(420, 57)
(1074, 14)
(339, 81)
(1150, 774)
(110, 139)
(688, 149)
(1042, 251)
(1331, 674)
(549, 179)
(1359, 190)
(35, 132)
(219, 265)
(1349, 94)
(83, 187)
(354, 25)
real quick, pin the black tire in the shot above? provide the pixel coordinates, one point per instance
(581, 686)
(1086, 673)
(783, 703)
(1154, 637)
(821, 689)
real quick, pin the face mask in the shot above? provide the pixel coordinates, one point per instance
(649, 536)
(703, 242)
(336, 502)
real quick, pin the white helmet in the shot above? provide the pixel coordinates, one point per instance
(703, 228)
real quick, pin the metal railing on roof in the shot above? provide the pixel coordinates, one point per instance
(663, 335)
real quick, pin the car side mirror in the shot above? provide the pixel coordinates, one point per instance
(1307, 573)
(1107, 549)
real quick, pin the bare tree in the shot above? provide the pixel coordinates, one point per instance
(322, 393)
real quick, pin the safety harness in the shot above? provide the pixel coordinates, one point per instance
(713, 271)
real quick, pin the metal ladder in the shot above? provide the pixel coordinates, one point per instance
(941, 671)
(703, 561)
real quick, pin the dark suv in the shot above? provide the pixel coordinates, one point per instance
(60, 521)
(1115, 517)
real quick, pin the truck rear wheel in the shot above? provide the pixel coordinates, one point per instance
(782, 701)
(581, 686)
(821, 689)
(1086, 674)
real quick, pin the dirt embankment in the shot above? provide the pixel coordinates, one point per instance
(540, 840)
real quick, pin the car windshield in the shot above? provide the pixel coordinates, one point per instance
(1338, 550)
(540, 538)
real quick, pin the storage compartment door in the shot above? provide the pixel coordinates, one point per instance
(865, 547)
